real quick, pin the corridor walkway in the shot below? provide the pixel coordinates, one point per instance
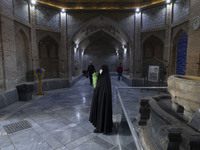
(59, 121)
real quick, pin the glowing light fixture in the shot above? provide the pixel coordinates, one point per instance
(63, 10)
(137, 10)
(168, 1)
(33, 2)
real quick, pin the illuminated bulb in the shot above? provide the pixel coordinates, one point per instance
(137, 10)
(63, 10)
(168, 1)
(33, 2)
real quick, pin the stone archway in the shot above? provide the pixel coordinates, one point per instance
(22, 56)
(49, 56)
(100, 51)
(110, 29)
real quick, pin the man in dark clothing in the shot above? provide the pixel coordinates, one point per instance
(91, 70)
(119, 71)
(101, 107)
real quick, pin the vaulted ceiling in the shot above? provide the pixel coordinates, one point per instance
(100, 4)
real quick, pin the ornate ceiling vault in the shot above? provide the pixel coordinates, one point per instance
(100, 4)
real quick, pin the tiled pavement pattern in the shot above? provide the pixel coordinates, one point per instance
(59, 121)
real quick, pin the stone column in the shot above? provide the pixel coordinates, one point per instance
(34, 44)
(131, 60)
(193, 51)
(8, 64)
(167, 46)
(63, 48)
(68, 55)
(137, 69)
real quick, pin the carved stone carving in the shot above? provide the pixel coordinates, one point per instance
(47, 17)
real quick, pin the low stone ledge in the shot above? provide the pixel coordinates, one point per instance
(8, 98)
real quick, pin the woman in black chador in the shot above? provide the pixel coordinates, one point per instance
(101, 108)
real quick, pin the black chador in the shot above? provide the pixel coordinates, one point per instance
(101, 108)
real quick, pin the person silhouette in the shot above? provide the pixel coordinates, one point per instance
(91, 70)
(119, 71)
(101, 107)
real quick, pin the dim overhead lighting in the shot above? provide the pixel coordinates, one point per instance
(33, 2)
(137, 10)
(63, 10)
(168, 1)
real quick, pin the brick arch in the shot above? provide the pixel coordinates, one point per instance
(22, 56)
(49, 56)
(173, 65)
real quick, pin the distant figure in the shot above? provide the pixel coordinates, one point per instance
(101, 107)
(91, 70)
(119, 71)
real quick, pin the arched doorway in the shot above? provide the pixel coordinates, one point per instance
(101, 50)
(49, 56)
(22, 55)
(109, 36)
(181, 54)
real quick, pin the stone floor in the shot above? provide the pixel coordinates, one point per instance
(59, 121)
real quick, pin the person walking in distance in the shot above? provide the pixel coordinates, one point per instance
(91, 70)
(119, 71)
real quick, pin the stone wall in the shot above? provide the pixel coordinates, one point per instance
(193, 50)
(154, 17)
(47, 17)
(21, 10)
(180, 9)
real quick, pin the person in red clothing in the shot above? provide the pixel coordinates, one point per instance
(119, 71)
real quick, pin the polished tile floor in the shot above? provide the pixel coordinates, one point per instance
(59, 121)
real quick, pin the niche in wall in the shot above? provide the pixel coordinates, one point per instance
(49, 56)
(22, 55)
(153, 55)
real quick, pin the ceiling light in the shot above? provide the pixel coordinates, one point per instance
(168, 1)
(63, 10)
(33, 2)
(137, 10)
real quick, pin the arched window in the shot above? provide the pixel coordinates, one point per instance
(181, 54)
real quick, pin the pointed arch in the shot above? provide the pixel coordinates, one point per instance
(104, 25)
(49, 56)
(98, 24)
(22, 55)
(178, 56)
(153, 56)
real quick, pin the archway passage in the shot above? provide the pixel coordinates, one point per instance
(49, 58)
(101, 49)
(181, 54)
